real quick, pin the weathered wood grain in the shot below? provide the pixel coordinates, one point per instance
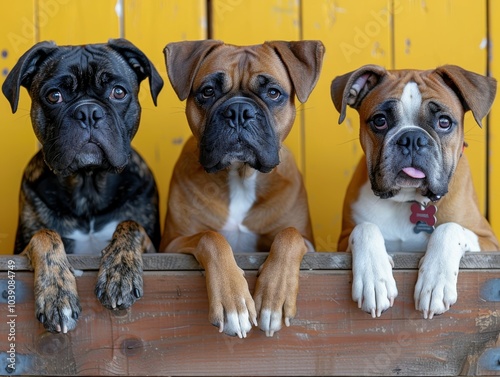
(252, 261)
(167, 332)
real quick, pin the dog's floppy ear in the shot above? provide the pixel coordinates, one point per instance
(351, 88)
(303, 60)
(140, 63)
(183, 60)
(23, 72)
(476, 92)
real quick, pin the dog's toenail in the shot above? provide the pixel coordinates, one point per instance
(41, 318)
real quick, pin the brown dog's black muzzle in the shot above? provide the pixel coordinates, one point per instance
(239, 130)
(239, 114)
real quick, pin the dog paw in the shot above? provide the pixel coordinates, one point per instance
(375, 296)
(56, 303)
(275, 298)
(373, 285)
(277, 284)
(235, 323)
(232, 308)
(271, 321)
(436, 289)
(119, 281)
(56, 297)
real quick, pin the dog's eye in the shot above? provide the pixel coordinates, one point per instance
(379, 122)
(54, 97)
(208, 92)
(274, 94)
(118, 93)
(444, 123)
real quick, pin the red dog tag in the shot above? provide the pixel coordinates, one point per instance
(423, 217)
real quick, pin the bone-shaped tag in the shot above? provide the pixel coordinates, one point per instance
(423, 214)
(423, 217)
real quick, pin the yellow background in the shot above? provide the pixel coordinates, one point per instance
(392, 33)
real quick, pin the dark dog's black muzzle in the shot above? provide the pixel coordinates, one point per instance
(88, 114)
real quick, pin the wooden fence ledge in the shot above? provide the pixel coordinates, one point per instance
(167, 331)
(252, 261)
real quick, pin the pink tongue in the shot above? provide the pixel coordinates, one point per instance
(414, 173)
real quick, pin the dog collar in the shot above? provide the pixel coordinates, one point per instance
(423, 216)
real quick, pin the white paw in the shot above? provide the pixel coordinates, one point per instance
(236, 324)
(270, 321)
(436, 289)
(373, 286)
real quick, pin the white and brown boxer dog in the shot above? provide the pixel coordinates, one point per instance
(413, 189)
(234, 187)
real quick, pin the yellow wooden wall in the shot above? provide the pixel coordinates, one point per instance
(392, 33)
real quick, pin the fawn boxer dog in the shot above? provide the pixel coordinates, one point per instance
(86, 190)
(412, 191)
(234, 187)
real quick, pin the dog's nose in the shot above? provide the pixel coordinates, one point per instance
(412, 142)
(239, 114)
(88, 114)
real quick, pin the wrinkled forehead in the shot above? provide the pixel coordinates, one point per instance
(413, 89)
(86, 58)
(243, 64)
(85, 65)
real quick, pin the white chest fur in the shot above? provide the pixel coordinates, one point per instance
(241, 198)
(92, 242)
(392, 216)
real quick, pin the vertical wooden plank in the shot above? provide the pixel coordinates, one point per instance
(243, 22)
(430, 34)
(150, 25)
(354, 35)
(77, 21)
(18, 143)
(251, 22)
(494, 120)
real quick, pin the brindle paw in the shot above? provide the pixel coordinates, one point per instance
(119, 282)
(57, 307)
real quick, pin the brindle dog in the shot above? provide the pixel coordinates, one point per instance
(86, 190)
